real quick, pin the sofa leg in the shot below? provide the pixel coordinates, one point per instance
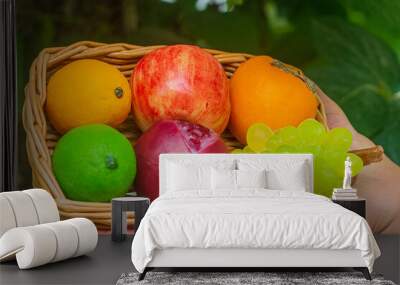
(143, 274)
(364, 271)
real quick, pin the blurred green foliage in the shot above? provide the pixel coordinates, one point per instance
(350, 48)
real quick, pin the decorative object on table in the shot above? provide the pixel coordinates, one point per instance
(344, 194)
(355, 205)
(41, 136)
(249, 278)
(31, 230)
(120, 207)
(347, 174)
(347, 192)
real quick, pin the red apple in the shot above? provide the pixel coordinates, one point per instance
(180, 82)
(170, 136)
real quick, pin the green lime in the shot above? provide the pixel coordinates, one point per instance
(94, 163)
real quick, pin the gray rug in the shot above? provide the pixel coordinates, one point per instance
(242, 278)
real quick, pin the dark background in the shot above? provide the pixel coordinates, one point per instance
(8, 116)
(350, 48)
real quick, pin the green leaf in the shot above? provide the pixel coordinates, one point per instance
(239, 30)
(233, 3)
(389, 138)
(365, 109)
(300, 11)
(289, 36)
(379, 17)
(359, 71)
(357, 54)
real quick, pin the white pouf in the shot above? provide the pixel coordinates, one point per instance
(87, 233)
(66, 237)
(23, 208)
(7, 218)
(45, 205)
(40, 244)
(31, 231)
(33, 246)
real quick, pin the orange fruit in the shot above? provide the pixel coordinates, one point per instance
(263, 90)
(87, 91)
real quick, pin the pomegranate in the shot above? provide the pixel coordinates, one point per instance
(170, 136)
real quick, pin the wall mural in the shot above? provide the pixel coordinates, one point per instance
(193, 80)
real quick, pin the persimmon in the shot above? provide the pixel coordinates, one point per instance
(264, 90)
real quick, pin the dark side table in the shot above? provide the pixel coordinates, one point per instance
(120, 206)
(357, 206)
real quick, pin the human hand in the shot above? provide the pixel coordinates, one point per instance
(338, 119)
(378, 182)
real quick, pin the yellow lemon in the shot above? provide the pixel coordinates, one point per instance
(87, 91)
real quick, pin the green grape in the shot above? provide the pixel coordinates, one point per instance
(286, 149)
(273, 143)
(237, 151)
(325, 179)
(313, 149)
(329, 149)
(247, 149)
(257, 136)
(356, 163)
(334, 160)
(311, 132)
(288, 135)
(338, 139)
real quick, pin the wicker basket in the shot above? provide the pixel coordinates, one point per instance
(41, 137)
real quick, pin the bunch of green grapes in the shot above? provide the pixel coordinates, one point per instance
(330, 149)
